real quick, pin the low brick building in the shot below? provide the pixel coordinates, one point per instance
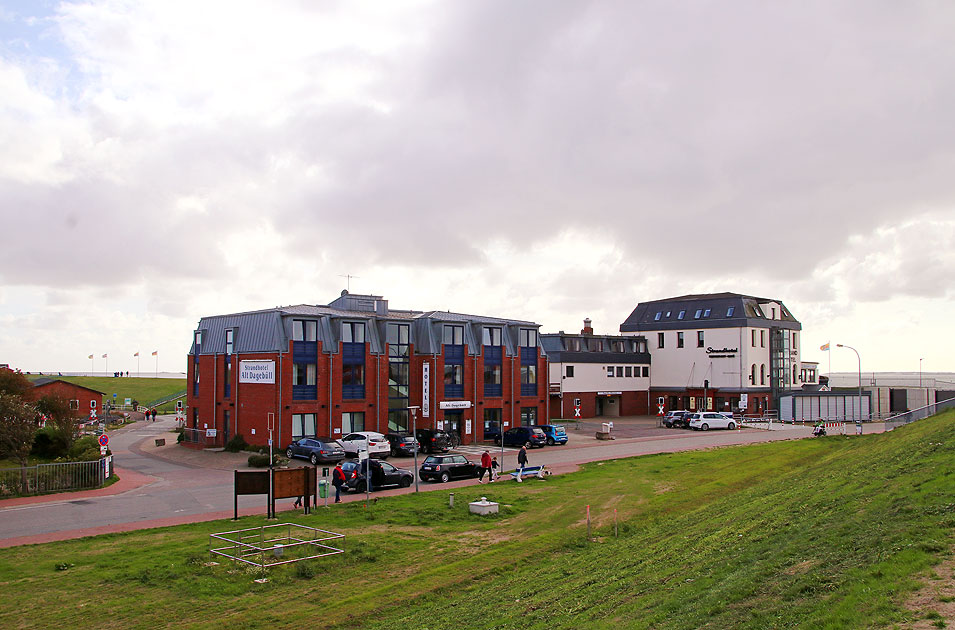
(82, 399)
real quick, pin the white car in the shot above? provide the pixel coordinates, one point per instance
(711, 420)
(375, 443)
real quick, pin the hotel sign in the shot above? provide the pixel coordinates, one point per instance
(721, 353)
(425, 389)
(257, 372)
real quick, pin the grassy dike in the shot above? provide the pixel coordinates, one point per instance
(819, 533)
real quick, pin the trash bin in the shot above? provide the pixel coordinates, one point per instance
(323, 489)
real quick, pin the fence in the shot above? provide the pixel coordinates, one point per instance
(918, 414)
(44, 478)
(205, 438)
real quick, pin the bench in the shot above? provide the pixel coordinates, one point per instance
(529, 471)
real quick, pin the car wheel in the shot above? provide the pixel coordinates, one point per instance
(289, 453)
(550, 441)
(445, 477)
(731, 426)
(313, 459)
(360, 486)
(405, 482)
(705, 427)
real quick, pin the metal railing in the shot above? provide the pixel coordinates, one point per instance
(59, 477)
(201, 437)
(918, 414)
(168, 398)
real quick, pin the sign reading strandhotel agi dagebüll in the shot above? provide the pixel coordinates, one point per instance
(257, 372)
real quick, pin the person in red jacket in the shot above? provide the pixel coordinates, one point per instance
(338, 480)
(485, 466)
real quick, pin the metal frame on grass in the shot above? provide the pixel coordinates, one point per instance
(300, 541)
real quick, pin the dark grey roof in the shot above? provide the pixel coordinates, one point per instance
(747, 311)
(556, 347)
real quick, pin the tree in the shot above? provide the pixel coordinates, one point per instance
(60, 417)
(15, 383)
(17, 428)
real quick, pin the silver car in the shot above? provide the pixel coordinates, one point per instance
(706, 420)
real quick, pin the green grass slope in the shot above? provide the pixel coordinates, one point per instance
(145, 390)
(817, 533)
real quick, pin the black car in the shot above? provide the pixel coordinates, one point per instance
(316, 450)
(383, 474)
(519, 436)
(432, 441)
(402, 444)
(447, 467)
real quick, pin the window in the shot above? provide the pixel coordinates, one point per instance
(774, 313)
(528, 337)
(304, 330)
(795, 345)
(453, 335)
(680, 316)
(353, 421)
(659, 340)
(619, 371)
(569, 372)
(353, 332)
(528, 380)
(492, 336)
(492, 420)
(679, 339)
(762, 338)
(794, 375)
(303, 425)
(398, 420)
(353, 381)
(74, 404)
(598, 345)
(646, 370)
(227, 376)
(699, 339)
(706, 313)
(730, 311)
(195, 377)
(609, 371)
(754, 337)
(304, 381)
(752, 376)
(699, 312)
(528, 416)
(668, 314)
(762, 374)
(397, 336)
(628, 371)
(453, 374)
(573, 345)
(492, 380)
(759, 311)
(198, 340)
(229, 339)
(657, 317)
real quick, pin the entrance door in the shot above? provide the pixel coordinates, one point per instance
(600, 406)
(452, 422)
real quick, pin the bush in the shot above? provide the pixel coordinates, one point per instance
(237, 444)
(258, 461)
(49, 444)
(84, 445)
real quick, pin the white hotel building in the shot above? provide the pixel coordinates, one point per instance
(716, 351)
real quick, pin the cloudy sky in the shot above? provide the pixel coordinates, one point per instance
(545, 160)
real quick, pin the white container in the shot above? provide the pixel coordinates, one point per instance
(483, 507)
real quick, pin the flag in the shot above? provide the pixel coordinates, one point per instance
(90, 357)
(105, 355)
(136, 355)
(824, 347)
(155, 352)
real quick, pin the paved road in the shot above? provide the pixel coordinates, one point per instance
(198, 486)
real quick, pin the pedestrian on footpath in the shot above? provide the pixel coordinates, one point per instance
(298, 502)
(494, 467)
(485, 467)
(521, 461)
(338, 480)
(154, 414)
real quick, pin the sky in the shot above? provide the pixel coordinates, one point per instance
(547, 160)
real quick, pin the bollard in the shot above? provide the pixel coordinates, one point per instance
(588, 522)
(451, 500)
(615, 523)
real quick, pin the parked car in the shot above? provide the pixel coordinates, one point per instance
(447, 467)
(432, 441)
(402, 444)
(554, 434)
(492, 431)
(711, 420)
(374, 442)
(519, 436)
(677, 419)
(321, 449)
(383, 475)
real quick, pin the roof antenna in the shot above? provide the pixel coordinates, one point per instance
(347, 280)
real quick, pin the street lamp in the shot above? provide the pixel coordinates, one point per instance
(839, 345)
(920, 371)
(414, 434)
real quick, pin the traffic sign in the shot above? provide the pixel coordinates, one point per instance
(103, 440)
(577, 411)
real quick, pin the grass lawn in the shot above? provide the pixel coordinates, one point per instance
(823, 533)
(145, 390)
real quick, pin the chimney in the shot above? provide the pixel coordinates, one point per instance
(588, 330)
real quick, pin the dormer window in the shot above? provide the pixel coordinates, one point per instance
(657, 317)
(668, 314)
(759, 311)
(706, 313)
(681, 315)
(699, 311)
(730, 311)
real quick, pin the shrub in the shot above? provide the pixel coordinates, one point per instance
(49, 444)
(236, 444)
(258, 461)
(83, 445)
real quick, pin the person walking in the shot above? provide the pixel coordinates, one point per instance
(338, 480)
(154, 414)
(485, 467)
(521, 460)
(494, 467)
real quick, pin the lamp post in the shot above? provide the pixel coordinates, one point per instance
(920, 371)
(839, 345)
(414, 434)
